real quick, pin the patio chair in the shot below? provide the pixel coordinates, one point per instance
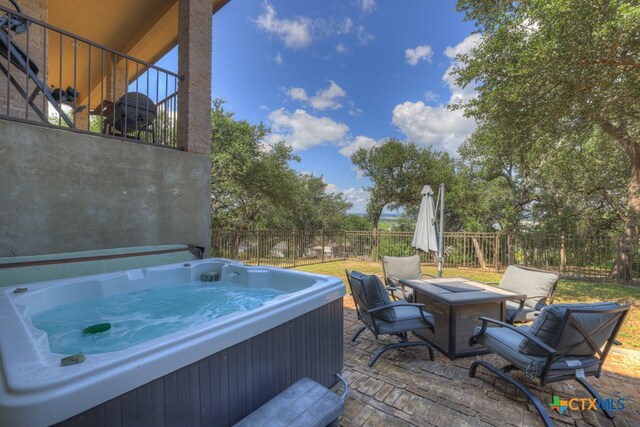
(538, 285)
(567, 341)
(383, 317)
(400, 268)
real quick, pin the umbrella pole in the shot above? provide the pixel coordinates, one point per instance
(441, 233)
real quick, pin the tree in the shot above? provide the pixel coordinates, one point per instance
(550, 69)
(246, 178)
(398, 172)
(355, 223)
(311, 208)
(253, 186)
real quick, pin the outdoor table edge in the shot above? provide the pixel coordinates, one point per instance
(496, 297)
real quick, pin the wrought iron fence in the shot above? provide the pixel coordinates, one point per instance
(279, 248)
(52, 77)
(595, 257)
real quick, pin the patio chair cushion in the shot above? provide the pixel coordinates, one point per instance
(407, 319)
(402, 267)
(398, 268)
(376, 296)
(548, 324)
(506, 343)
(528, 314)
(529, 282)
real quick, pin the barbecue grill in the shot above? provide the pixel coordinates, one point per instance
(133, 112)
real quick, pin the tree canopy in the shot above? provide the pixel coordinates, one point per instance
(558, 113)
(253, 186)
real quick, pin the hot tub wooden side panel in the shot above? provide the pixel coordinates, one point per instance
(225, 387)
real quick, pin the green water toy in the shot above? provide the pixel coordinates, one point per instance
(96, 329)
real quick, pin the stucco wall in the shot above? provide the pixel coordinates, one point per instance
(61, 192)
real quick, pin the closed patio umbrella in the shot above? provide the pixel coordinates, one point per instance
(427, 237)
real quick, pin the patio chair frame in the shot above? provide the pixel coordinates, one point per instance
(394, 284)
(553, 355)
(373, 325)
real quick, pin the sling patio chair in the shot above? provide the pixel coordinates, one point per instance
(567, 341)
(397, 268)
(538, 285)
(382, 316)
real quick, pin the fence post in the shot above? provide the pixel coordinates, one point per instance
(345, 253)
(464, 250)
(295, 248)
(563, 255)
(496, 251)
(322, 250)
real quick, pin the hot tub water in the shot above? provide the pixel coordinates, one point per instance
(143, 315)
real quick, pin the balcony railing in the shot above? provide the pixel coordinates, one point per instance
(52, 77)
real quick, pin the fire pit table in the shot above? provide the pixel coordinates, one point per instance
(457, 303)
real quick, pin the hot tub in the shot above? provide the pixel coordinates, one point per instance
(215, 372)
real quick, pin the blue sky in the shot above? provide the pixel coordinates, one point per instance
(331, 76)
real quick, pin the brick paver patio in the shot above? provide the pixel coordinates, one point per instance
(405, 388)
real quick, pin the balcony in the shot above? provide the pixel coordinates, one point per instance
(55, 77)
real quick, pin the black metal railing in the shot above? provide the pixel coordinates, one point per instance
(53, 77)
(580, 257)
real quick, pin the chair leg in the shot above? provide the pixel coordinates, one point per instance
(500, 374)
(594, 393)
(399, 345)
(432, 356)
(358, 332)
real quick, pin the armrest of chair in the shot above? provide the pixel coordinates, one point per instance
(392, 290)
(521, 307)
(394, 285)
(485, 321)
(420, 307)
(430, 275)
(393, 281)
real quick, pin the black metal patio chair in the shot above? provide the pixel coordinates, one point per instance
(567, 341)
(382, 316)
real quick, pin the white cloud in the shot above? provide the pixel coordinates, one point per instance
(345, 26)
(359, 142)
(297, 94)
(364, 37)
(278, 59)
(439, 126)
(464, 46)
(295, 33)
(353, 110)
(302, 31)
(419, 53)
(324, 99)
(341, 48)
(358, 197)
(368, 5)
(328, 98)
(430, 96)
(301, 130)
(459, 94)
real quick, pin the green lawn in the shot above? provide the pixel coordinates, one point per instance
(568, 290)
